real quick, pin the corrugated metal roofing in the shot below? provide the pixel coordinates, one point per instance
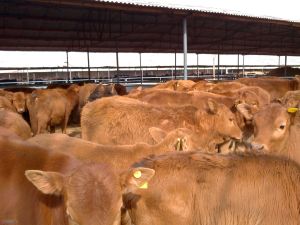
(186, 7)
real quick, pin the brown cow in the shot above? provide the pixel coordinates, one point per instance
(19, 102)
(275, 86)
(120, 89)
(197, 188)
(121, 120)
(51, 107)
(221, 87)
(276, 131)
(121, 156)
(7, 94)
(39, 186)
(6, 104)
(6, 133)
(291, 99)
(202, 85)
(284, 71)
(84, 93)
(255, 99)
(15, 123)
(176, 85)
(102, 91)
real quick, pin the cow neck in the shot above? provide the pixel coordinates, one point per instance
(209, 140)
(291, 147)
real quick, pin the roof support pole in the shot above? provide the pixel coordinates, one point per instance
(175, 66)
(197, 65)
(68, 70)
(141, 70)
(285, 63)
(117, 61)
(279, 61)
(89, 69)
(243, 65)
(218, 72)
(185, 43)
(238, 66)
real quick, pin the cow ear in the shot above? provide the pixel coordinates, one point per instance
(157, 134)
(50, 183)
(212, 106)
(136, 178)
(245, 110)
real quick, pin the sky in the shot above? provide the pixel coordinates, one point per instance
(287, 10)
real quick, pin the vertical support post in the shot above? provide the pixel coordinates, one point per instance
(175, 66)
(185, 48)
(279, 61)
(141, 70)
(243, 65)
(197, 65)
(117, 61)
(285, 63)
(27, 76)
(214, 67)
(238, 66)
(68, 70)
(89, 69)
(218, 66)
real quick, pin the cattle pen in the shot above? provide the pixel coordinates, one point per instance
(142, 27)
(132, 113)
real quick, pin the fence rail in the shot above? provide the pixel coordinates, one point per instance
(146, 75)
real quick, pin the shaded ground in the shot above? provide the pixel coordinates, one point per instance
(72, 130)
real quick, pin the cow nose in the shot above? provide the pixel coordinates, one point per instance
(238, 137)
(257, 146)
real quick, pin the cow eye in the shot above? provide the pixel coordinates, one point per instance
(230, 119)
(282, 127)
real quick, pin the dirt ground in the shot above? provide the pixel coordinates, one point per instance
(72, 131)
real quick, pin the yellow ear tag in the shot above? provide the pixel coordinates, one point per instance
(144, 186)
(292, 110)
(137, 174)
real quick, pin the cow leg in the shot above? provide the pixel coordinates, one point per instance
(52, 129)
(65, 122)
(42, 124)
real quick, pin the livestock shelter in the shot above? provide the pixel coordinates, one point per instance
(126, 26)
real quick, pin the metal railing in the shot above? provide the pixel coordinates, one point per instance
(147, 75)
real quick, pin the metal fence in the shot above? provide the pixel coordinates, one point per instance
(146, 75)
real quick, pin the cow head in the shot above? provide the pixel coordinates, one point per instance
(19, 101)
(272, 126)
(219, 119)
(92, 193)
(102, 91)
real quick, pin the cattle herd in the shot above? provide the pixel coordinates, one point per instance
(180, 153)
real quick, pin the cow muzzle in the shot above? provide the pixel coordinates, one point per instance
(258, 147)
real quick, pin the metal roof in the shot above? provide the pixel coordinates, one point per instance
(140, 26)
(187, 7)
